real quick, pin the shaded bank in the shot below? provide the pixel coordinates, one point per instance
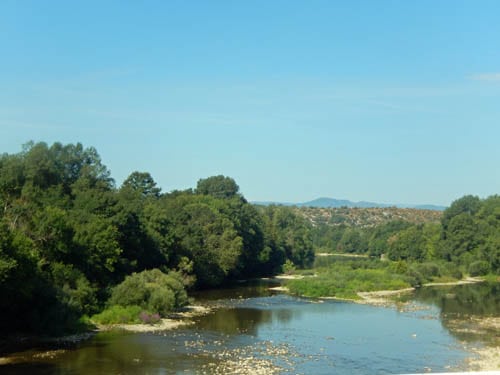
(254, 330)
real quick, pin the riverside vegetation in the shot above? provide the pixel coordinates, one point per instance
(402, 254)
(74, 246)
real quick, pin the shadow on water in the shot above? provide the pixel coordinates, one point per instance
(463, 308)
(250, 322)
(240, 290)
(29, 368)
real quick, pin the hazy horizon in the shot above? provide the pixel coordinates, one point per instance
(388, 102)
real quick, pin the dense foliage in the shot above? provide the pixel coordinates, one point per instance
(152, 290)
(467, 239)
(69, 236)
(71, 242)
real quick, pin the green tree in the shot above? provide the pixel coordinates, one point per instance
(353, 241)
(409, 244)
(378, 241)
(142, 183)
(288, 234)
(218, 187)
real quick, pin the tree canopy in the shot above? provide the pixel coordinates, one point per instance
(68, 235)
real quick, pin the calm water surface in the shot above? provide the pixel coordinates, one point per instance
(252, 329)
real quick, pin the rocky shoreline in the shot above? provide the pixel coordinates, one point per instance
(484, 357)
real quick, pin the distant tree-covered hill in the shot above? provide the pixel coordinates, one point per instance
(366, 217)
(338, 203)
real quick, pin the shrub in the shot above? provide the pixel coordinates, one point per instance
(400, 267)
(148, 318)
(118, 315)
(152, 290)
(161, 301)
(288, 267)
(73, 288)
(452, 270)
(479, 268)
(428, 270)
(414, 277)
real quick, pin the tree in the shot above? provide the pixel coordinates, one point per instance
(352, 241)
(468, 204)
(408, 244)
(378, 242)
(289, 234)
(218, 187)
(143, 184)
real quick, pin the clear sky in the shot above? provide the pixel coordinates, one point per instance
(387, 101)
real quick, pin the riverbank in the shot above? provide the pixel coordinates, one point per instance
(486, 356)
(384, 297)
(467, 280)
(486, 359)
(29, 348)
(376, 297)
(175, 320)
(247, 330)
(348, 255)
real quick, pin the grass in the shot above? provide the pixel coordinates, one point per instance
(492, 278)
(118, 315)
(346, 279)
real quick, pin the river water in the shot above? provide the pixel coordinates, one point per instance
(253, 330)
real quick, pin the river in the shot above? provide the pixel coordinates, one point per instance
(253, 330)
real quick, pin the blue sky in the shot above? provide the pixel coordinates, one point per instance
(388, 101)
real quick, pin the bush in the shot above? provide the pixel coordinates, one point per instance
(152, 290)
(73, 289)
(414, 277)
(479, 268)
(428, 270)
(452, 270)
(288, 267)
(118, 315)
(399, 267)
(162, 301)
(148, 318)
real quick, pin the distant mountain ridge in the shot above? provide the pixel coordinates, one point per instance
(337, 203)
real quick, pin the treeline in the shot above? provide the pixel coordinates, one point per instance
(69, 236)
(467, 237)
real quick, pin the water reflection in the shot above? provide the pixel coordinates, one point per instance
(464, 309)
(300, 336)
(241, 290)
(482, 299)
(245, 316)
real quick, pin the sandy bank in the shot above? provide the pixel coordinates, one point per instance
(341, 255)
(175, 320)
(467, 280)
(488, 359)
(289, 277)
(381, 297)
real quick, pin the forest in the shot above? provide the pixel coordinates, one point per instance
(69, 237)
(73, 244)
(467, 235)
(398, 254)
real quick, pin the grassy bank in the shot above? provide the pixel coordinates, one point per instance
(345, 278)
(342, 281)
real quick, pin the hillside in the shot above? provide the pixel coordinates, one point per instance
(339, 203)
(366, 217)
